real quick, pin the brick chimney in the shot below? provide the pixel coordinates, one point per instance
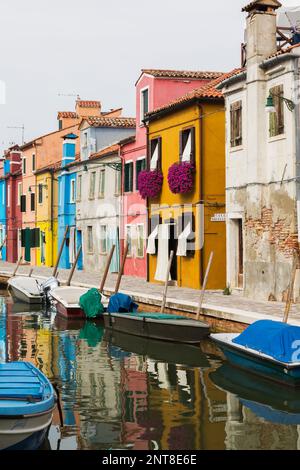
(88, 108)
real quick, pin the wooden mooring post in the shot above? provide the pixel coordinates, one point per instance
(164, 299)
(199, 309)
(74, 267)
(17, 267)
(105, 274)
(121, 269)
(60, 251)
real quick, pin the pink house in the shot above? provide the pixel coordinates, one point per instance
(154, 89)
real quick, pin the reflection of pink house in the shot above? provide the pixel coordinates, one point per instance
(154, 89)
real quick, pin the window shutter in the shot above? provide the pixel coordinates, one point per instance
(231, 126)
(180, 145)
(23, 203)
(154, 222)
(32, 201)
(193, 146)
(159, 163)
(37, 238)
(189, 218)
(23, 238)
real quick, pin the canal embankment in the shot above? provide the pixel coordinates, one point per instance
(222, 312)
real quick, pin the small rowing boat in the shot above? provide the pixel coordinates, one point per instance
(66, 300)
(27, 401)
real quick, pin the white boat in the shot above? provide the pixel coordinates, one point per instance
(66, 300)
(27, 401)
(29, 289)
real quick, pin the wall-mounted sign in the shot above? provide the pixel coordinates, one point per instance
(218, 218)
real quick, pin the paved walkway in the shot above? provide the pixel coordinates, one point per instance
(232, 308)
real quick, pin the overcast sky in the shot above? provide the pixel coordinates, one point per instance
(96, 48)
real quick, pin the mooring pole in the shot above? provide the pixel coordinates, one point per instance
(105, 274)
(60, 251)
(17, 267)
(74, 266)
(199, 309)
(164, 299)
(121, 269)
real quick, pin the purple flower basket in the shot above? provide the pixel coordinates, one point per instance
(150, 183)
(181, 177)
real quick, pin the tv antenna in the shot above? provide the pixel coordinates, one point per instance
(76, 95)
(19, 127)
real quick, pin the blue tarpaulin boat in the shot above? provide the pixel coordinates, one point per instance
(27, 400)
(268, 348)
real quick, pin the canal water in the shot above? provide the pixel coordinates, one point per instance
(121, 392)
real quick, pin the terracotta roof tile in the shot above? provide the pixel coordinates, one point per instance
(284, 51)
(67, 114)
(88, 104)
(266, 3)
(182, 74)
(106, 151)
(207, 91)
(102, 121)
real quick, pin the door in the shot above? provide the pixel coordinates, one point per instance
(173, 242)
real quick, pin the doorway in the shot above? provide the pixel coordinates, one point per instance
(240, 254)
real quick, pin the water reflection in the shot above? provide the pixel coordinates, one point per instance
(119, 391)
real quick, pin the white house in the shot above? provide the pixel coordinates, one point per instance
(263, 158)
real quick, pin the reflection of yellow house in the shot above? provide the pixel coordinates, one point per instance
(190, 130)
(46, 215)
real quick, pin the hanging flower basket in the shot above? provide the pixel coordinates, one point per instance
(150, 183)
(181, 177)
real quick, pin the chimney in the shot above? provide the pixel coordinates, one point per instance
(261, 30)
(88, 108)
(69, 149)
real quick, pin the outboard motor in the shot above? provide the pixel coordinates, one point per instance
(48, 285)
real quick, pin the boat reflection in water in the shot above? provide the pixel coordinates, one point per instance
(258, 409)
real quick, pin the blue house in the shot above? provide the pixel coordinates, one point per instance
(3, 216)
(67, 204)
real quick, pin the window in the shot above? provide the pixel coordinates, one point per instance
(60, 125)
(24, 165)
(92, 185)
(40, 190)
(187, 145)
(23, 203)
(90, 246)
(155, 154)
(129, 237)
(140, 165)
(33, 162)
(128, 177)
(140, 240)
(79, 183)
(103, 239)
(236, 124)
(144, 103)
(20, 192)
(8, 196)
(32, 201)
(85, 139)
(72, 191)
(117, 182)
(276, 120)
(102, 183)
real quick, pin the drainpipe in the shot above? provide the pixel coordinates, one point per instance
(147, 200)
(201, 148)
(51, 217)
(121, 209)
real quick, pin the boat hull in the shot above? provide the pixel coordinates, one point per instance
(71, 313)
(24, 433)
(19, 295)
(176, 331)
(259, 365)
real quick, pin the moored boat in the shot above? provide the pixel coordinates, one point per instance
(267, 348)
(27, 401)
(30, 290)
(187, 355)
(173, 328)
(66, 300)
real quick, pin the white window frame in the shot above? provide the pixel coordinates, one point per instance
(72, 191)
(20, 193)
(138, 240)
(40, 185)
(88, 233)
(79, 188)
(130, 246)
(142, 111)
(103, 252)
(118, 182)
(102, 172)
(92, 195)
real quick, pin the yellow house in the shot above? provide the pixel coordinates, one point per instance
(47, 214)
(186, 142)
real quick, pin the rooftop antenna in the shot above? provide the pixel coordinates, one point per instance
(76, 95)
(294, 27)
(19, 127)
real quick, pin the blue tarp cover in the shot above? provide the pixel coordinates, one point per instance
(276, 339)
(121, 303)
